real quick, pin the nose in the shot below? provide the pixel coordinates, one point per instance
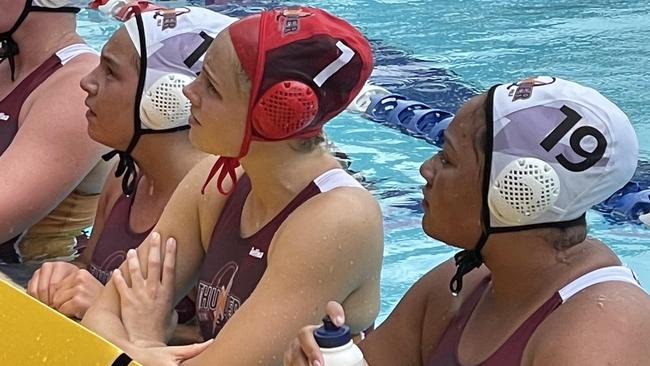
(427, 170)
(88, 84)
(189, 92)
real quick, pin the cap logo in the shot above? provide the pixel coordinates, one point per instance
(290, 19)
(525, 88)
(168, 17)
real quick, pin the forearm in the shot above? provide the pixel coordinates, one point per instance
(106, 324)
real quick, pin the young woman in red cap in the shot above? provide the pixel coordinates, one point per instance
(282, 228)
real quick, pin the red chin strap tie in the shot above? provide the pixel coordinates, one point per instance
(226, 167)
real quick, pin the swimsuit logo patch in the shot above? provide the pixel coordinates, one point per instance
(168, 17)
(290, 19)
(525, 88)
(214, 301)
(4, 117)
(256, 253)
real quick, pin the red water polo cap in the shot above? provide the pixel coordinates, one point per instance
(305, 66)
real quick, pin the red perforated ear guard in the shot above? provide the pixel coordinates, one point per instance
(285, 109)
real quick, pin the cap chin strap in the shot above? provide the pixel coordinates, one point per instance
(466, 261)
(226, 167)
(9, 48)
(126, 168)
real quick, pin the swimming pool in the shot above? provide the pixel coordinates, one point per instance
(443, 51)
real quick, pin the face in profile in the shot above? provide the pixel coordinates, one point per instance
(452, 193)
(219, 98)
(111, 89)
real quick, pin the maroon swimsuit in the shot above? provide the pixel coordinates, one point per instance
(115, 240)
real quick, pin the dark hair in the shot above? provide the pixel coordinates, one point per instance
(307, 144)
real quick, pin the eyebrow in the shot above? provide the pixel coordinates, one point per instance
(205, 71)
(447, 142)
(109, 60)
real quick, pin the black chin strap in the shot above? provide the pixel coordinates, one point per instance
(126, 167)
(466, 261)
(9, 48)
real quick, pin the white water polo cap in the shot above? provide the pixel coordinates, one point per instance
(557, 149)
(176, 41)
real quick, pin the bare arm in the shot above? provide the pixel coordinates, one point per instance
(51, 152)
(180, 220)
(606, 324)
(408, 330)
(318, 254)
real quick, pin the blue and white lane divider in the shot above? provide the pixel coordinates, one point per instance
(629, 204)
(395, 110)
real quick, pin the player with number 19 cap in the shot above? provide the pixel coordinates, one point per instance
(519, 168)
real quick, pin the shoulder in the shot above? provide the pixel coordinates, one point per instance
(206, 201)
(342, 215)
(614, 314)
(60, 96)
(67, 78)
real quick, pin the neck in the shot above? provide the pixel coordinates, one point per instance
(524, 266)
(278, 173)
(163, 160)
(39, 36)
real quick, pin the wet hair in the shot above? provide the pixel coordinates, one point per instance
(566, 237)
(308, 144)
(561, 238)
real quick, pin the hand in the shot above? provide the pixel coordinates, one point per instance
(42, 283)
(167, 356)
(304, 350)
(146, 306)
(76, 293)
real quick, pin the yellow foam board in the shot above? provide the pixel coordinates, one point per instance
(31, 333)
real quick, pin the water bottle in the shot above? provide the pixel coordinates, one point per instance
(337, 346)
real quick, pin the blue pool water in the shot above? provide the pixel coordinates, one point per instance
(442, 52)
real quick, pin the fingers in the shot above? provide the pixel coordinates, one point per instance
(335, 311)
(74, 308)
(60, 271)
(43, 287)
(62, 296)
(153, 261)
(309, 347)
(169, 264)
(133, 265)
(294, 355)
(183, 353)
(120, 284)
(67, 282)
(32, 285)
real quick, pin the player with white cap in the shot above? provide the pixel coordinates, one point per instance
(520, 167)
(138, 109)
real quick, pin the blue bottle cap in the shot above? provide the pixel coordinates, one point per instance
(331, 336)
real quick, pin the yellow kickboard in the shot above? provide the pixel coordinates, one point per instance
(32, 333)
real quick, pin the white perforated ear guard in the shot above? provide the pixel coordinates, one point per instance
(164, 106)
(523, 190)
